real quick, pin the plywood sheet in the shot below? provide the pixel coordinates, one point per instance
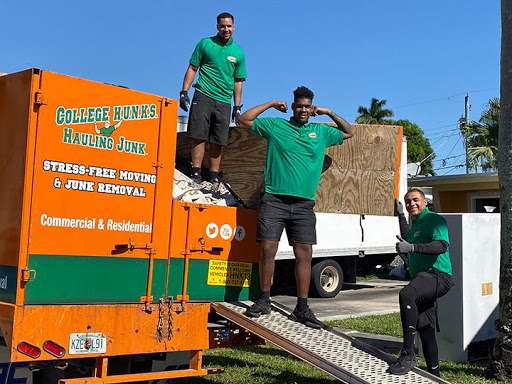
(360, 178)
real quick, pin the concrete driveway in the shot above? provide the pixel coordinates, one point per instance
(369, 297)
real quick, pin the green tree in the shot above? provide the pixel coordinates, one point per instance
(482, 138)
(375, 115)
(418, 146)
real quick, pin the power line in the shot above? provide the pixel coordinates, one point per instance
(427, 101)
(449, 157)
(442, 98)
(451, 168)
(454, 130)
(437, 128)
(454, 145)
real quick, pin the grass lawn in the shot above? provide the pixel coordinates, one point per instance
(268, 364)
(378, 324)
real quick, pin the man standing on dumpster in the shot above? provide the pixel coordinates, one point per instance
(221, 65)
(295, 156)
(426, 244)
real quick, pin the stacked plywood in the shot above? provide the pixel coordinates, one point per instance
(361, 178)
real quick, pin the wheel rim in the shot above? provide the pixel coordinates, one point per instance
(329, 279)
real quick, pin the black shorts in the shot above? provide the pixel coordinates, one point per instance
(295, 214)
(429, 286)
(208, 119)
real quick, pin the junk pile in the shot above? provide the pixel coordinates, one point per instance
(187, 190)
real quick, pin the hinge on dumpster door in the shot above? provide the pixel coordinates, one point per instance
(28, 274)
(39, 98)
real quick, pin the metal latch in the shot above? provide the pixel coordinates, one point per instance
(204, 248)
(39, 98)
(132, 245)
(28, 274)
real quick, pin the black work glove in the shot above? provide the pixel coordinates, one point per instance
(399, 207)
(237, 111)
(403, 246)
(184, 101)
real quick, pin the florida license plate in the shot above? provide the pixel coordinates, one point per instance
(87, 343)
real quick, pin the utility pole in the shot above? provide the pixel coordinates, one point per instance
(463, 121)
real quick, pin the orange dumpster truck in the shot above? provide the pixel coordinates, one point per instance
(102, 273)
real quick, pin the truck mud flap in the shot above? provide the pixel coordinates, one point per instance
(342, 356)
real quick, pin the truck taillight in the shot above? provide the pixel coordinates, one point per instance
(54, 349)
(29, 350)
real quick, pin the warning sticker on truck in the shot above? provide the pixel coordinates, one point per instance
(229, 273)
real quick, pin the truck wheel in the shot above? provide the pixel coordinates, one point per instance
(326, 278)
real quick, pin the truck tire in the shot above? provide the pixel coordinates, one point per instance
(326, 278)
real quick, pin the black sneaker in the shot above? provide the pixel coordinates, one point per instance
(406, 361)
(306, 317)
(260, 307)
(196, 178)
(215, 184)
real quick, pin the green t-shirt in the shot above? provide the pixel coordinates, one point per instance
(295, 154)
(426, 228)
(219, 65)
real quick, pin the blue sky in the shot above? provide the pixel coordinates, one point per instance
(422, 57)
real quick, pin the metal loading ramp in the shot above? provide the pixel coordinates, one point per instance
(344, 357)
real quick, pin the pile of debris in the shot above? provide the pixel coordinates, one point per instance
(186, 190)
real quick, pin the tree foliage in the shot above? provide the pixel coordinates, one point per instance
(418, 146)
(376, 114)
(482, 138)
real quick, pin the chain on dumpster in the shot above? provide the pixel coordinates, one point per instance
(160, 326)
(169, 323)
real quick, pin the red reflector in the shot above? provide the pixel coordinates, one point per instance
(29, 350)
(54, 349)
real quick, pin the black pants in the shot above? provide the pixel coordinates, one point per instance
(418, 311)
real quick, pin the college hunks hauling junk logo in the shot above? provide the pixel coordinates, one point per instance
(94, 127)
(100, 118)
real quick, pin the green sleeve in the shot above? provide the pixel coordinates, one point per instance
(332, 136)
(240, 73)
(262, 127)
(439, 228)
(197, 55)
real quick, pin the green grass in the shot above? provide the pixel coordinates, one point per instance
(378, 324)
(264, 364)
(267, 364)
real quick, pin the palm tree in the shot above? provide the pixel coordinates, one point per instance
(482, 138)
(374, 115)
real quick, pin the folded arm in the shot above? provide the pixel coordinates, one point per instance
(247, 118)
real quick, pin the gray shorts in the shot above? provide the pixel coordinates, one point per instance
(208, 119)
(295, 214)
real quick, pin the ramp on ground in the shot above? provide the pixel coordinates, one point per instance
(344, 357)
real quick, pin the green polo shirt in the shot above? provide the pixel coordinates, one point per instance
(295, 154)
(219, 65)
(426, 228)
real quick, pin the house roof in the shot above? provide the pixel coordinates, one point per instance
(471, 178)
